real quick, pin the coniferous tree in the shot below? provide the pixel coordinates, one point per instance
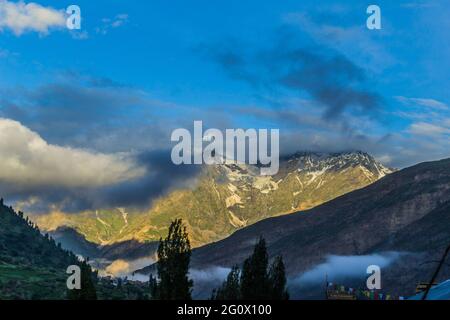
(255, 282)
(254, 279)
(231, 288)
(153, 285)
(174, 254)
(87, 290)
(277, 279)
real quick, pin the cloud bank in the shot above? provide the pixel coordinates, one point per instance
(21, 17)
(332, 80)
(328, 99)
(341, 267)
(42, 177)
(28, 161)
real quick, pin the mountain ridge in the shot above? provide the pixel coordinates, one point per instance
(227, 198)
(32, 265)
(405, 211)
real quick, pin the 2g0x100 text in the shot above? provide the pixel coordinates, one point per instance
(246, 309)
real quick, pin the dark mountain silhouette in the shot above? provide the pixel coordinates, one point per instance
(405, 211)
(131, 249)
(226, 198)
(32, 266)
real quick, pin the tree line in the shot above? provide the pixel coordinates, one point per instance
(255, 280)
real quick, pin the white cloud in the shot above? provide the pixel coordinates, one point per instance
(127, 268)
(79, 35)
(28, 161)
(429, 103)
(21, 17)
(428, 129)
(338, 267)
(118, 21)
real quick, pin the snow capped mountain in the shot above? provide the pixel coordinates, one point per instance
(406, 213)
(229, 197)
(320, 162)
(312, 164)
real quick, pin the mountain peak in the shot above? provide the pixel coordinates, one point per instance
(322, 161)
(227, 197)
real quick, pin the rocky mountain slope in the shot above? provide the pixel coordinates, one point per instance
(32, 266)
(407, 211)
(227, 198)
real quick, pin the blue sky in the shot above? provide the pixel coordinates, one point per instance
(138, 69)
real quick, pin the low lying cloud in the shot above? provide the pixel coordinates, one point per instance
(28, 161)
(341, 267)
(118, 268)
(209, 274)
(126, 268)
(21, 17)
(206, 280)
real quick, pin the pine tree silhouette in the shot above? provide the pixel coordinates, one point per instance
(277, 279)
(255, 282)
(231, 288)
(174, 254)
(254, 279)
(87, 290)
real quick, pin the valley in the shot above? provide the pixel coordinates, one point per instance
(224, 199)
(399, 221)
(406, 213)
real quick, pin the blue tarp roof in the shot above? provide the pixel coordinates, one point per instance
(440, 292)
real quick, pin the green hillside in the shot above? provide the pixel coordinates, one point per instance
(32, 266)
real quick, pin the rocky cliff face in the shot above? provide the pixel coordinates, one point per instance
(407, 211)
(226, 198)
